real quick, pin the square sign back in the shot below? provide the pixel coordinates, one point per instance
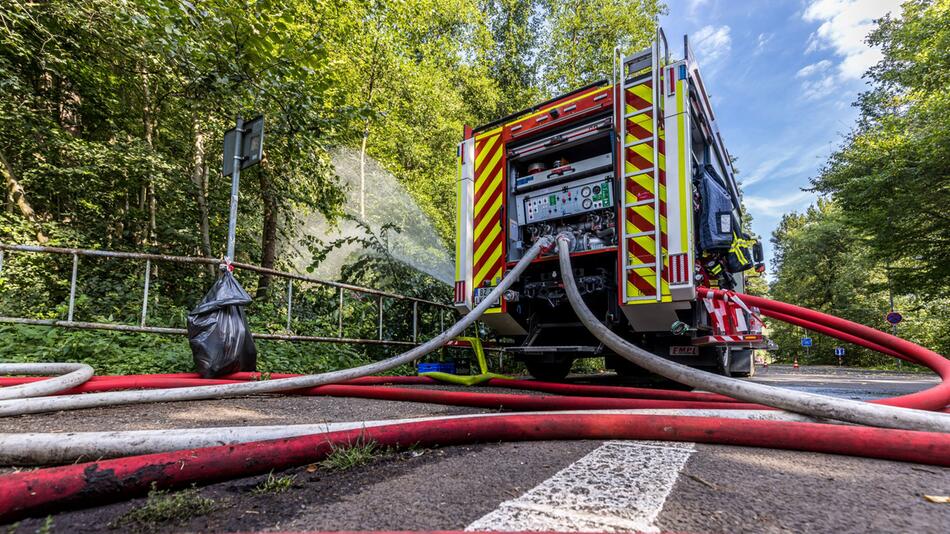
(252, 146)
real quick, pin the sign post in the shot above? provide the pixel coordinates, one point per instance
(894, 318)
(243, 148)
(806, 342)
(839, 352)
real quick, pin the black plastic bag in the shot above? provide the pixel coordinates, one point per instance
(220, 340)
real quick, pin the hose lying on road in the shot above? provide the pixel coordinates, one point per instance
(56, 448)
(74, 402)
(795, 401)
(934, 398)
(72, 375)
(40, 491)
(114, 383)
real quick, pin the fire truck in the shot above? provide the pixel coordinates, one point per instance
(635, 169)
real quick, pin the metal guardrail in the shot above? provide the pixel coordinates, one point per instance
(142, 327)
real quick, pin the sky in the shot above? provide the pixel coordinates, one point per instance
(782, 75)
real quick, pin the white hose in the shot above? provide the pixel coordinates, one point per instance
(113, 398)
(796, 401)
(73, 374)
(46, 448)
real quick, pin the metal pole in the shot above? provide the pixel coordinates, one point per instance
(72, 289)
(415, 320)
(148, 277)
(235, 181)
(290, 300)
(380, 301)
(890, 295)
(1, 261)
(339, 313)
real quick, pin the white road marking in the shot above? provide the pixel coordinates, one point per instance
(620, 486)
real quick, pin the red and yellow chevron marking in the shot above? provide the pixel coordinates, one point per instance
(647, 195)
(639, 157)
(488, 237)
(638, 128)
(641, 283)
(638, 97)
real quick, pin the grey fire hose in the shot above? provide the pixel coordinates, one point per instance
(46, 448)
(794, 401)
(72, 375)
(95, 400)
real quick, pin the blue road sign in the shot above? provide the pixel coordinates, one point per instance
(806, 341)
(839, 351)
(894, 317)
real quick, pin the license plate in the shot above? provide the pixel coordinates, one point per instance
(684, 350)
(480, 294)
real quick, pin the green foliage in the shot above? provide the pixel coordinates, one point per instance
(884, 229)
(892, 176)
(164, 507)
(584, 33)
(822, 263)
(273, 485)
(112, 113)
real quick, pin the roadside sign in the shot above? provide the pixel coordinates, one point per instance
(806, 341)
(839, 351)
(894, 317)
(252, 145)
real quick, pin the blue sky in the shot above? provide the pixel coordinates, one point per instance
(782, 76)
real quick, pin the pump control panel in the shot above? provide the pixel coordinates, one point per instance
(590, 194)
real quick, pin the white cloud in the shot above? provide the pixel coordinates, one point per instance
(761, 41)
(818, 81)
(814, 68)
(693, 6)
(786, 161)
(711, 44)
(816, 89)
(844, 25)
(776, 206)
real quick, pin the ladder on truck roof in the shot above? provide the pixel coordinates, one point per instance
(641, 136)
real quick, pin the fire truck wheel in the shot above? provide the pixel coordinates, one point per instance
(550, 369)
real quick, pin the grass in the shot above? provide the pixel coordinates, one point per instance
(274, 484)
(162, 506)
(352, 455)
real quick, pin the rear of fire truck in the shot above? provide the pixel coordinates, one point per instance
(636, 171)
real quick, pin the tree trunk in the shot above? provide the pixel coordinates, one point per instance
(363, 173)
(199, 177)
(369, 98)
(148, 121)
(268, 232)
(17, 195)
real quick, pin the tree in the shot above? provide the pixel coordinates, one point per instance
(583, 34)
(822, 263)
(892, 176)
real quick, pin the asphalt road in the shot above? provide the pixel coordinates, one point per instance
(560, 486)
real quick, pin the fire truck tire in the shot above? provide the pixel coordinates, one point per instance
(550, 369)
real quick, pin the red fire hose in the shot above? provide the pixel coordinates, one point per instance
(33, 492)
(36, 492)
(935, 398)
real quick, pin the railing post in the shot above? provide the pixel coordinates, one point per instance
(290, 300)
(415, 320)
(72, 289)
(148, 277)
(380, 301)
(339, 313)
